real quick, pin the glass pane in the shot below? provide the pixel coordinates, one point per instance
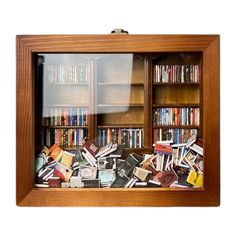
(120, 100)
(91, 106)
(65, 99)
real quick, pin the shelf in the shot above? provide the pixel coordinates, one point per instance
(64, 127)
(121, 84)
(65, 105)
(134, 189)
(122, 126)
(121, 105)
(176, 84)
(176, 127)
(172, 105)
(50, 84)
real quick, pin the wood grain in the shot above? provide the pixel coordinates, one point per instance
(27, 45)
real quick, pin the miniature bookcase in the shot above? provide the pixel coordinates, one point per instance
(130, 119)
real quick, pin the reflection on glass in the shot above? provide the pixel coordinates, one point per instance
(76, 86)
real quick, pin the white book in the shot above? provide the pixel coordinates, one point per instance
(141, 184)
(128, 183)
(197, 149)
(166, 142)
(112, 149)
(104, 149)
(46, 177)
(41, 185)
(191, 140)
(154, 182)
(133, 182)
(91, 157)
(179, 145)
(87, 158)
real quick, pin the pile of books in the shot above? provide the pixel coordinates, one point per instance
(170, 165)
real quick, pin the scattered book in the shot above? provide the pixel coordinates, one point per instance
(56, 152)
(118, 152)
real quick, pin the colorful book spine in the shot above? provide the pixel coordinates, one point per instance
(66, 116)
(65, 137)
(130, 137)
(176, 116)
(176, 135)
(176, 74)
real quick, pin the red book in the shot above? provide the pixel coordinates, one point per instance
(166, 178)
(90, 146)
(163, 149)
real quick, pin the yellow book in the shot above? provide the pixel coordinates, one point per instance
(67, 159)
(199, 180)
(195, 178)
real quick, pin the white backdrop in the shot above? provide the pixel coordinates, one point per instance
(100, 17)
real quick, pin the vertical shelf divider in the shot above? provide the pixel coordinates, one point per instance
(148, 103)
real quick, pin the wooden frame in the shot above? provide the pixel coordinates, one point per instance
(27, 195)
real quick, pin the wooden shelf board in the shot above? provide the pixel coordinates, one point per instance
(64, 127)
(65, 105)
(176, 127)
(122, 126)
(121, 105)
(120, 84)
(173, 105)
(52, 84)
(176, 84)
(136, 189)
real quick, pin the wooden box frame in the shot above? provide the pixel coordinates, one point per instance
(27, 195)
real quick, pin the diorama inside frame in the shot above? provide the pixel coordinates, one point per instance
(118, 120)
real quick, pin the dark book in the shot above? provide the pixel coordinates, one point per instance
(91, 183)
(138, 157)
(182, 173)
(118, 152)
(106, 163)
(129, 165)
(120, 181)
(119, 164)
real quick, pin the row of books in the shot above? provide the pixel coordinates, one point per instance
(129, 137)
(176, 135)
(176, 74)
(67, 74)
(67, 116)
(64, 137)
(176, 116)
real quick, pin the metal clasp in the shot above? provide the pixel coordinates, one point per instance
(119, 31)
